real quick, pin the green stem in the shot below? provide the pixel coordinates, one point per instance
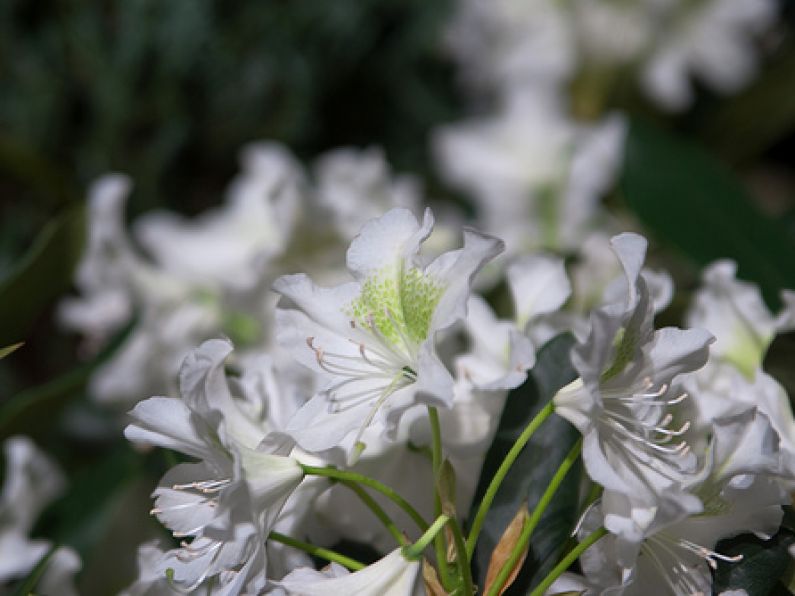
(379, 512)
(499, 476)
(535, 517)
(323, 553)
(461, 557)
(413, 552)
(439, 545)
(385, 490)
(566, 562)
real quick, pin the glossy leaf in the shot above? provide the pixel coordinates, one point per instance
(764, 563)
(533, 469)
(691, 201)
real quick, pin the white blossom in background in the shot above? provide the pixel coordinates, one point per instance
(712, 41)
(102, 276)
(229, 246)
(373, 340)
(192, 280)
(31, 482)
(504, 43)
(502, 351)
(510, 44)
(355, 186)
(227, 501)
(733, 380)
(535, 175)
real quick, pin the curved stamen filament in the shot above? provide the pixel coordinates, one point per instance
(204, 486)
(679, 449)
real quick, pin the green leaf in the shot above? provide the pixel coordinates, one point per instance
(43, 274)
(533, 469)
(28, 585)
(32, 411)
(691, 201)
(10, 349)
(764, 563)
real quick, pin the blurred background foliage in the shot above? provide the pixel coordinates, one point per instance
(169, 91)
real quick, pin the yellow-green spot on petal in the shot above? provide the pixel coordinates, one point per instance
(747, 351)
(399, 303)
(624, 343)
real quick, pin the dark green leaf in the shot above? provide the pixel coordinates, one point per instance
(33, 410)
(44, 273)
(691, 201)
(533, 470)
(764, 563)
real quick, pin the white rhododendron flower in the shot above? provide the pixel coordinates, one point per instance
(373, 339)
(227, 501)
(740, 492)
(503, 350)
(622, 401)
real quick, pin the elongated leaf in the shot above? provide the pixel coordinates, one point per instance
(32, 410)
(532, 471)
(764, 563)
(44, 273)
(691, 201)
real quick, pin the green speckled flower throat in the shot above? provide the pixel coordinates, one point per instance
(399, 304)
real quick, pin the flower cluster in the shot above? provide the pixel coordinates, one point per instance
(326, 360)
(686, 439)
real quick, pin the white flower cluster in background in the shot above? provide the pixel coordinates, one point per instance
(543, 147)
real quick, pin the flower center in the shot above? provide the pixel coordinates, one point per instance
(638, 416)
(398, 307)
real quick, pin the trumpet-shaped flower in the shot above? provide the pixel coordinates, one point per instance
(373, 339)
(740, 492)
(622, 401)
(227, 501)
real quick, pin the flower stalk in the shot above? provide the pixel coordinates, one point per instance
(317, 551)
(535, 517)
(501, 473)
(355, 477)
